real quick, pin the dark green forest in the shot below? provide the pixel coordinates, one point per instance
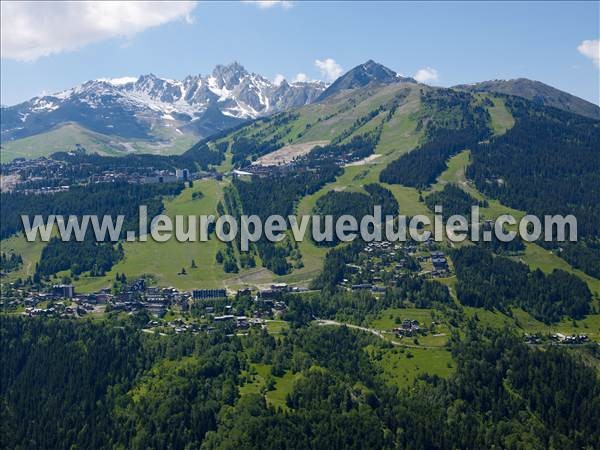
(496, 282)
(355, 204)
(454, 122)
(101, 385)
(10, 261)
(94, 199)
(548, 163)
(453, 200)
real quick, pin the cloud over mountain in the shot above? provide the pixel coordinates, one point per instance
(591, 49)
(31, 30)
(426, 75)
(330, 70)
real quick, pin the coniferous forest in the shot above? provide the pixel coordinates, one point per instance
(100, 385)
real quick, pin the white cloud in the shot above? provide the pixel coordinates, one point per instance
(301, 78)
(590, 49)
(330, 70)
(265, 4)
(278, 79)
(31, 30)
(426, 75)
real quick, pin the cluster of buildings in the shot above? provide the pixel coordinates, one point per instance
(179, 326)
(572, 339)
(297, 164)
(381, 264)
(439, 263)
(48, 176)
(202, 294)
(378, 266)
(408, 328)
(210, 304)
(137, 296)
(165, 176)
(59, 310)
(560, 338)
(260, 170)
(276, 290)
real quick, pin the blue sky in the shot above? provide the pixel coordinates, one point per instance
(462, 42)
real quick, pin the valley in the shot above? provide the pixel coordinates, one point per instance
(399, 135)
(286, 317)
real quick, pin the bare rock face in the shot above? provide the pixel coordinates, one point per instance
(362, 75)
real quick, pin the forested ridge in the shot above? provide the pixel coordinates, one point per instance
(453, 200)
(278, 196)
(94, 199)
(100, 199)
(548, 163)
(489, 281)
(453, 121)
(355, 204)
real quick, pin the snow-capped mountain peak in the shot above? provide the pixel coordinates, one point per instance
(140, 104)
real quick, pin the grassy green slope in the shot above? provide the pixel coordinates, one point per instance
(313, 122)
(163, 260)
(67, 136)
(29, 251)
(398, 136)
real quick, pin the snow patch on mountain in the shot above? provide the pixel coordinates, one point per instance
(146, 102)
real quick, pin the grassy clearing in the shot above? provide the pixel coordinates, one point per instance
(67, 136)
(523, 322)
(283, 386)
(502, 119)
(277, 326)
(401, 366)
(259, 373)
(455, 174)
(164, 260)
(537, 257)
(392, 318)
(29, 251)
(387, 318)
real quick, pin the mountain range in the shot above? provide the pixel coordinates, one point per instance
(537, 92)
(157, 109)
(149, 114)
